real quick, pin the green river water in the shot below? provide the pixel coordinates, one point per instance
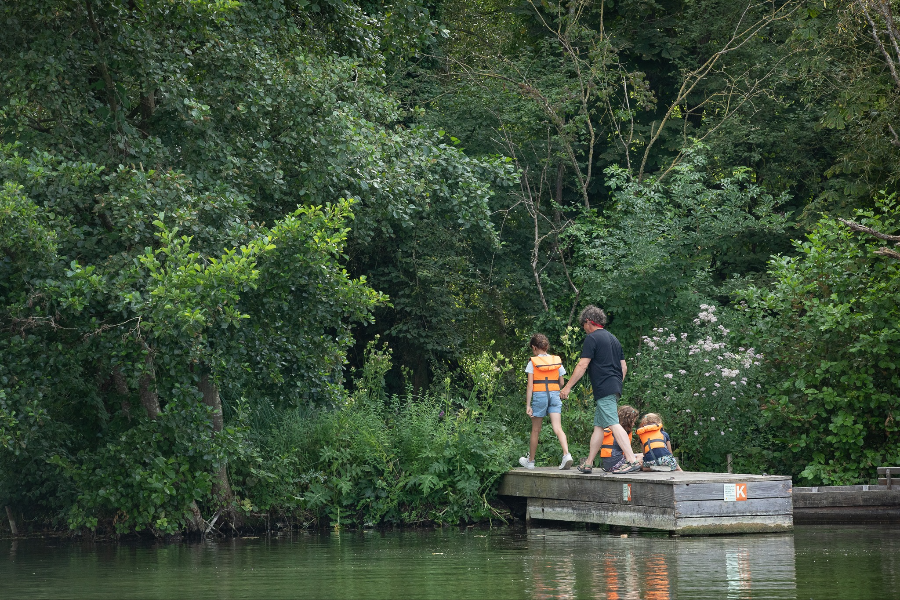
(827, 562)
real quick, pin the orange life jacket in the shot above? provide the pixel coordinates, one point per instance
(651, 437)
(609, 442)
(546, 373)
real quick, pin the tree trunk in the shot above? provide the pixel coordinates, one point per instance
(197, 522)
(122, 389)
(149, 396)
(222, 494)
(12, 521)
(560, 173)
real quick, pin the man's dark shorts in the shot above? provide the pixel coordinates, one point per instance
(607, 411)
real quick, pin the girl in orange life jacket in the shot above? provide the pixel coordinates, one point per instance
(545, 378)
(656, 444)
(611, 454)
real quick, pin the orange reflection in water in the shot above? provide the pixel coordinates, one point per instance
(618, 578)
(656, 580)
(612, 579)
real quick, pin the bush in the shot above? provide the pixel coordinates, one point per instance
(829, 327)
(434, 457)
(706, 388)
(149, 476)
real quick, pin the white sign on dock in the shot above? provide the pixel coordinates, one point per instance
(735, 492)
(730, 492)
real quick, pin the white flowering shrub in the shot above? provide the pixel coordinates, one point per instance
(706, 388)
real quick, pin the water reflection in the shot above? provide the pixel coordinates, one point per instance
(757, 566)
(658, 567)
(516, 563)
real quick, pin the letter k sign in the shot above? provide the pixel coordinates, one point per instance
(735, 492)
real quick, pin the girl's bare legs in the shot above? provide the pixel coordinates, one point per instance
(535, 435)
(556, 423)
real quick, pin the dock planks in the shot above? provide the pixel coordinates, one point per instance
(681, 502)
(848, 504)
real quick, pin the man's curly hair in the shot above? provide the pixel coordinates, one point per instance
(592, 313)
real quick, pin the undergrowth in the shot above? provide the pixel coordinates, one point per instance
(378, 459)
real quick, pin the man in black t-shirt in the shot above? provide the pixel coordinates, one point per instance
(602, 358)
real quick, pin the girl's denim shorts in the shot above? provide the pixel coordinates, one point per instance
(545, 402)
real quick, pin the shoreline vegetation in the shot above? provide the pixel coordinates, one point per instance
(284, 258)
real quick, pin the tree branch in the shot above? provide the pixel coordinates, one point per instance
(888, 252)
(863, 229)
(104, 70)
(863, 4)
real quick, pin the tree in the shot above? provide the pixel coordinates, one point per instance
(847, 72)
(829, 329)
(569, 89)
(673, 244)
(183, 169)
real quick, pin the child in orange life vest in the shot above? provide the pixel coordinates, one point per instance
(611, 455)
(656, 444)
(545, 378)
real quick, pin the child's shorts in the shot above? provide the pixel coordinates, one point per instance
(663, 463)
(611, 463)
(545, 402)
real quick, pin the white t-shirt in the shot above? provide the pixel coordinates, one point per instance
(529, 368)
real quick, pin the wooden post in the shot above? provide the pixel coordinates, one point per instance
(12, 521)
(885, 476)
(729, 463)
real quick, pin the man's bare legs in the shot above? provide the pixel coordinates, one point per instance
(596, 442)
(619, 433)
(624, 443)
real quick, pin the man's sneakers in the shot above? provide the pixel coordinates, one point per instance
(526, 462)
(628, 467)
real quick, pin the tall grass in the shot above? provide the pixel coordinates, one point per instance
(431, 457)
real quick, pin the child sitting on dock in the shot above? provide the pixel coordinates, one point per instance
(545, 378)
(656, 444)
(611, 455)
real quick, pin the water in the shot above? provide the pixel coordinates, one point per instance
(828, 562)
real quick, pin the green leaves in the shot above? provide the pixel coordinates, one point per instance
(830, 327)
(668, 245)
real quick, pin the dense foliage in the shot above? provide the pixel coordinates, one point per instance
(830, 325)
(384, 458)
(210, 213)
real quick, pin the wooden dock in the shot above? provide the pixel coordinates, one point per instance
(680, 502)
(869, 504)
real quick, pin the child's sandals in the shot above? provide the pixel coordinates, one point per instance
(628, 467)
